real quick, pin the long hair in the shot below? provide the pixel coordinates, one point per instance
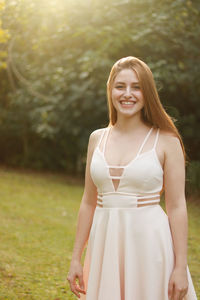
(153, 112)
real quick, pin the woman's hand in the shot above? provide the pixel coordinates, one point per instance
(76, 271)
(178, 284)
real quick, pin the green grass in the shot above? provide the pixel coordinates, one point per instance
(38, 216)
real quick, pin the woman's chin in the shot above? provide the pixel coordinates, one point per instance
(128, 112)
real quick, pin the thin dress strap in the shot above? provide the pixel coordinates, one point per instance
(101, 137)
(156, 139)
(105, 140)
(141, 147)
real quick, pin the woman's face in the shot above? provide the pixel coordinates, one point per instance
(127, 96)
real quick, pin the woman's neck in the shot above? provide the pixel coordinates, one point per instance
(129, 123)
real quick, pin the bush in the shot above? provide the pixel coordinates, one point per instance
(193, 178)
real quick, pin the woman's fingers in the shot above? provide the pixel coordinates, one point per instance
(178, 285)
(170, 290)
(176, 295)
(81, 284)
(183, 294)
(74, 289)
(179, 293)
(73, 285)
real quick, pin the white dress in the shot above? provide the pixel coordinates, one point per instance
(130, 254)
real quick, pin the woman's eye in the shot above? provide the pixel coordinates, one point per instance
(137, 87)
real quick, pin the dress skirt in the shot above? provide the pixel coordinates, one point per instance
(130, 255)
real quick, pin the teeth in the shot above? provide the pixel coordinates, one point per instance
(127, 102)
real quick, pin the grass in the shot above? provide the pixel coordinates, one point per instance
(38, 216)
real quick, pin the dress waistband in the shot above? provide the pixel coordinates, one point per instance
(125, 200)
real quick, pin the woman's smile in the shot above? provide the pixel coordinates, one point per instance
(127, 95)
(127, 103)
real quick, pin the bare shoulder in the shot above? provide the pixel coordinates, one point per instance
(170, 142)
(96, 133)
(95, 136)
(168, 137)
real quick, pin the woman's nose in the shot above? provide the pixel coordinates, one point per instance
(127, 91)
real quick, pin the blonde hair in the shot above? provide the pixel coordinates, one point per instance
(153, 113)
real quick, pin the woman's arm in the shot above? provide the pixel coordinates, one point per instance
(85, 218)
(174, 186)
(88, 203)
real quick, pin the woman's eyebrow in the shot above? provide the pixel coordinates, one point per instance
(121, 82)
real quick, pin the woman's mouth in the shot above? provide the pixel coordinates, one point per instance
(127, 103)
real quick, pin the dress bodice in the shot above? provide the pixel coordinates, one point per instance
(141, 178)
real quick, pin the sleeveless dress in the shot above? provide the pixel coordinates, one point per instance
(130, 254)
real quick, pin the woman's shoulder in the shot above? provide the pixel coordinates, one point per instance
(169, 140)
(168, 136)
(97, 133)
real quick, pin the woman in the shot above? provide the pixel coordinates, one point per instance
(135, 250)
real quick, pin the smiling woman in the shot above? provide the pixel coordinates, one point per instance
(127, 93)
(135, 250)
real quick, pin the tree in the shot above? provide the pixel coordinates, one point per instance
(4, 35)
(60, 56)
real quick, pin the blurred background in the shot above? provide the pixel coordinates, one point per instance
(55, 59)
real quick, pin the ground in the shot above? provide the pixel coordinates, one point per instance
(38, 215)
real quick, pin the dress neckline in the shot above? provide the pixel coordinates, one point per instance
(132, 160)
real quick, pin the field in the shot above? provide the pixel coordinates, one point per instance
(38, 215)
